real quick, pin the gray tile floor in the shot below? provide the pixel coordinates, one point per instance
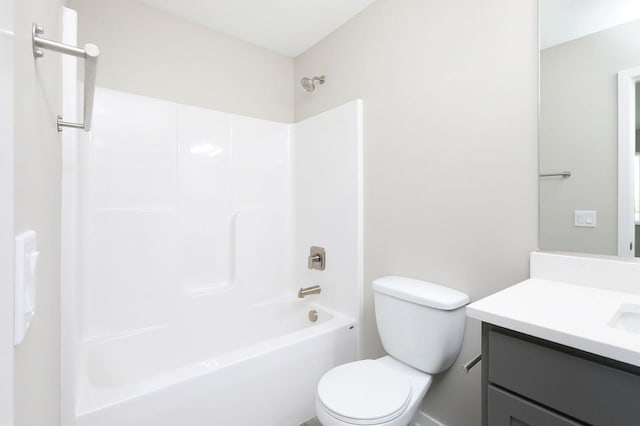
(313, 422)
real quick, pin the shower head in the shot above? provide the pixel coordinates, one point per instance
(309, 84)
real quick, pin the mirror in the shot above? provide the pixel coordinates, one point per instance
(589, 63)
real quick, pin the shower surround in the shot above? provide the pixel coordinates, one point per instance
(192, 230)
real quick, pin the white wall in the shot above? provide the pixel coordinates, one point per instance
(579, 133)
(148, 52)
(449, 90)
(6, 212)
(37, 101)
(328, 204)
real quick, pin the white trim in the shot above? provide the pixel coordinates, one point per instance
(68, 220)
(7, 43)
(423, 419)
(626, 149)
(360, 222)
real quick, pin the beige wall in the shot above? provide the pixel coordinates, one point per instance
(37, 101)
(148, 52)
(450, 113)
(579, 133)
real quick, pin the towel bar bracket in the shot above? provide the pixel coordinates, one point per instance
(36, 30)
(38, 43)
(90, 55)
(61, 124)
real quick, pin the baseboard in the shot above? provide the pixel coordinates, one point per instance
(423, 419)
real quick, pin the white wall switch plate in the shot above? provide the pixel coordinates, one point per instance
(26, 260)
(585, 218)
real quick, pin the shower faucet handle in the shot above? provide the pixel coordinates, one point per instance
(317, 258)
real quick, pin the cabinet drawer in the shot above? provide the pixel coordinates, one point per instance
(506, 409)
(584, 390)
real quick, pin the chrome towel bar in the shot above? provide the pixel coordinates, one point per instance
(89, 54)
(564, 174)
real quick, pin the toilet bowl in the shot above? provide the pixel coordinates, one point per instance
(421, 326)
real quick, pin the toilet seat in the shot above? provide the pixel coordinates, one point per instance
(364, 393)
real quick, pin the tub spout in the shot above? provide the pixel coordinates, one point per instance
(304, 292)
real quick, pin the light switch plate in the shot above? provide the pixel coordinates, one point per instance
(585, 218)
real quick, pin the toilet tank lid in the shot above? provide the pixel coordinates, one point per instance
(421, 292)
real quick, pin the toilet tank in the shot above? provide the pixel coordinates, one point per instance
(420, 323)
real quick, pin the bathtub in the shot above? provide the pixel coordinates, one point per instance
(197, 373)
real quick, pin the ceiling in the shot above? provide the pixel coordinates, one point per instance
(288, 27)
(565, 20)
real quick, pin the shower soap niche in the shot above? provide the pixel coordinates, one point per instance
(26, 259)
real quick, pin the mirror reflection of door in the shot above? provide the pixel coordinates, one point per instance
(636, 174)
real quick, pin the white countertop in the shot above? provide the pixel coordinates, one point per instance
(569, 314)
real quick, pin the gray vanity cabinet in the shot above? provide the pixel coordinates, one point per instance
(533, 382)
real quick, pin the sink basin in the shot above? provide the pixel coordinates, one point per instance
(627, 318)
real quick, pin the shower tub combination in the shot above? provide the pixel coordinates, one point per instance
(186, 234)
(191, 241)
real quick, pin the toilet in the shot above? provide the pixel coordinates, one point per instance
(421, 327)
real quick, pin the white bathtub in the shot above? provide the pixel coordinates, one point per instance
(263, 373)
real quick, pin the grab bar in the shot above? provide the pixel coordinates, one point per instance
(89, 54)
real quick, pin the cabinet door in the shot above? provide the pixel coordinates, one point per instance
(507, 409)
(580, 388)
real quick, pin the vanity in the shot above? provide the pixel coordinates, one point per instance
(563, 347)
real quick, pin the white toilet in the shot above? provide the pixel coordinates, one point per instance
(421, 327)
